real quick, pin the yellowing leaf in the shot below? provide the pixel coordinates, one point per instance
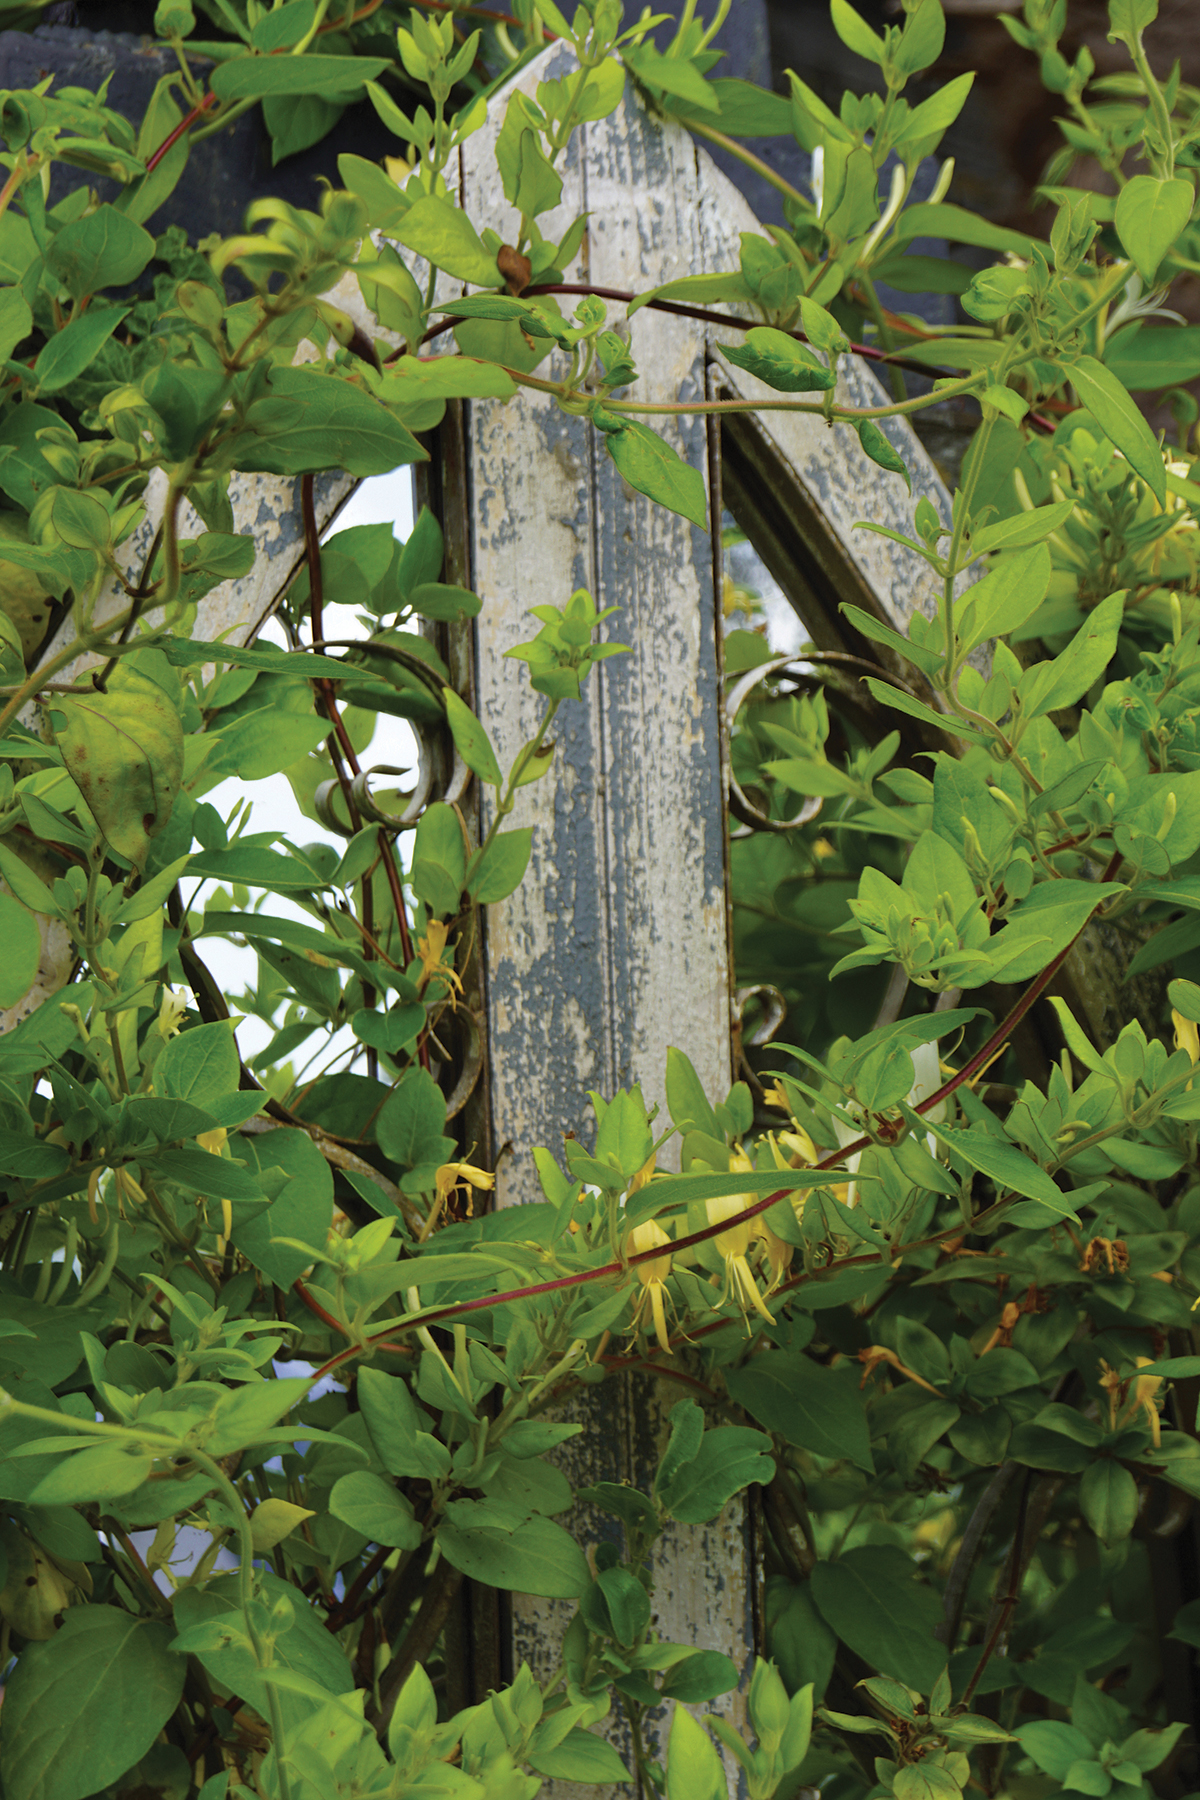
(273, 1520)
(125, 751)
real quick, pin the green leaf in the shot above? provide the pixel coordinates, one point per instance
(746, 109)
(694, 1770)
(304, 665)
(580, 1756)
(443, 234)
(854, 31)
(1022, 529)
(439, 863)
(471, 740)
(805, 1403)
(125, 751)
(1054, 1746)
(256, 77)
(200, 1065)
(439, 599)
(302, 1208)
(880, 451)
(1006, 596)
(697, 290)
(1007, 1166)
(871, 1600)
(74, 348)
(101, 1472)
(245, 1412)
(16, 320)
(1149, 217)
(939, 220)
(22, 950)
(104, 249)
(538, 1557)
(83, 1707)
(780, 361)
(686, 1100)
(308, 422)
(371, 1505)
(651, 466)
(730, 1459)
(674, 75)
(498, 871)
(394, 1421)
(1148, 356)
(412, 1120)
(305, 1650)
(699, 1677)
(1052, 916)
(1108, 1497)
(1047, 687)
(280, 30)
(1117, 416)
(933, 116)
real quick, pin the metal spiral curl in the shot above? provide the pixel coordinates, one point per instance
(418, 797)
(752, 819)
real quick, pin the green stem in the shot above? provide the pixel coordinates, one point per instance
(750, 160)
(1158, 105)
(886, 340)
(697, 407)
(31, 688)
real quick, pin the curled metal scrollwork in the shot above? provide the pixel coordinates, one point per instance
(774, 1012)
(751, 817)
(418, 797)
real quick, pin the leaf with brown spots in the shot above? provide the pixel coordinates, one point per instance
(125, 750)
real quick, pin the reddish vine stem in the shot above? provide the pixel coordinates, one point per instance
(706, 314)
(314, 1306)
(563, 1282)
(185, 124)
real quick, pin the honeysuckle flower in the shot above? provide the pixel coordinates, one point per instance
(652, 1275)
(778, 1254)
(212, 1141)
(449, 1180)
(1144, 1390)
(1187, 1035)
(802, 1151)
(803, 1155)
(172, 1010)
(432, 951)
(643, 1175)
(735, 1243)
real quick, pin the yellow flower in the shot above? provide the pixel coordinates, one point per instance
(449, 1179)
(212, 1141)
(649, 1235)
(432, 951)
(1187, 1035)
(1144, 1390)
(779, 1255)
(801, 1147)
(734, 1244)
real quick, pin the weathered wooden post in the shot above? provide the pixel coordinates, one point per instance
(616, 945)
